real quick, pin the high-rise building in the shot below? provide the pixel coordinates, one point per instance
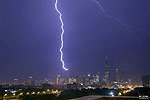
(107, 72)
(146, 81)
(68, 76)
(29, 81)
(117, 75)
(88, 79)
(81, 80)
(16, 82)
(58, 79)
(38, 82)
(129, 81)
(72, 80)
(97, 78)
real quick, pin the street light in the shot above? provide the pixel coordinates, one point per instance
(112, 94)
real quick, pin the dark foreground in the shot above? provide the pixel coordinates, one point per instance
(105, 98)
(84, 94)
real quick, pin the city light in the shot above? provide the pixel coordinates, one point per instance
(44, 92)
(38, 92)
(27, 93)
(21, 94)
(119, 94)
(33, 92)
(111, 93)
(5, 94)
(14, 94)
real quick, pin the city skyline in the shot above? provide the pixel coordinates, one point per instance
(74, 49)
(105, 77)
(108, 75)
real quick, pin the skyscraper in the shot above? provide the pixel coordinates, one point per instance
(107, 72)
(29, 81)
(16, 82)
(117, 75)
(129, 81)
(146, 81)
(97, 78)
(58, 79)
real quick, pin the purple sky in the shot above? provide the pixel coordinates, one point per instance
(30, 38)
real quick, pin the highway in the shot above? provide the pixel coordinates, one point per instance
(96, 97)
(87, 98)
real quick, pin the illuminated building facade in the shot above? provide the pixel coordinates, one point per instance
(107, 78)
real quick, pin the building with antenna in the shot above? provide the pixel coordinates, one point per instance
(107, 77)
(117, 76)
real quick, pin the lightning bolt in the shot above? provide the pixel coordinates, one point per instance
(127, 28)
(62, 33)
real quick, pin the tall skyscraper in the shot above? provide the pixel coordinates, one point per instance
(146, 81)
(97, 78)
(16, 82)
(29, 81)
(107, 71)
(129, 81)
(68, 76)
(117, 75)
(58, 79)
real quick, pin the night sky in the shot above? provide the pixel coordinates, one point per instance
(30, 38)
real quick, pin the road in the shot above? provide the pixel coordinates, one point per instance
(87, 98)
(96, 97)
